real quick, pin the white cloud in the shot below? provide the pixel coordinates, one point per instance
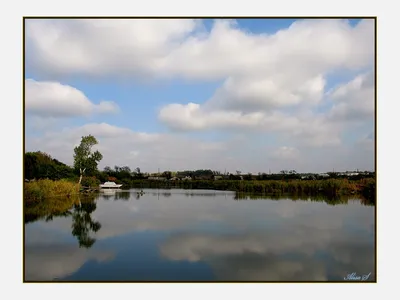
(309, 129)
(192, 117)
(276, 83)
(286, 152)
(273, 85)
(182, 47)
(103, 47)
(122, 146)
(249, 94)
(134, 153)
(125, 147)
(268, 74)
(354, 101)
(287, 116)
(53, 99)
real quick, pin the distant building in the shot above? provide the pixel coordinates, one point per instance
(156, 178)
(217, 177)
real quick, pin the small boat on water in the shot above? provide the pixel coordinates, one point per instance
(110, 185)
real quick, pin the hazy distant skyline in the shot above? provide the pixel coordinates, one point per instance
(174, 94)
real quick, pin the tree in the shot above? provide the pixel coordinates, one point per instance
(249, 176)
(41, 165)
(84, 159)
(31, 165)
(108, 170)
(126, 169)
(167, 174)
(137, 173)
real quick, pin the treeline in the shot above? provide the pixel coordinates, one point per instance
(39, 165)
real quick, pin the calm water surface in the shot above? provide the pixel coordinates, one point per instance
(195, 235)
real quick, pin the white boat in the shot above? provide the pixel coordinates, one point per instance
(110, 185)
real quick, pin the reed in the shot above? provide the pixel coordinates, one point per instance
(327, 187)
(46, 188)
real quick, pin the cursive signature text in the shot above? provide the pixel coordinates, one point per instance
(355, 276)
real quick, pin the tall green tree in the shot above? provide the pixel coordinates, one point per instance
(85, 160)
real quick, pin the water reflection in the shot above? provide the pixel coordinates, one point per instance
(118, 195)
(200, 235)
(330, 200)
(57, 260)
(83, 224)
(268, 256)
(80, 213)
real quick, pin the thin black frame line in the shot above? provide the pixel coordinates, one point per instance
(23, 148)
(197, 17)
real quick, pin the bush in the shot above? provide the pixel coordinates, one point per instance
(368, 189)
(113, 179)
(90, 181)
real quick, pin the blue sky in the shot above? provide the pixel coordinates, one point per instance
(246, 94)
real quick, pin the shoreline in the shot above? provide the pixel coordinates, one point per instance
(331, 188)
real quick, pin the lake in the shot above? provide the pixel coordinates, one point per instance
(200, 235)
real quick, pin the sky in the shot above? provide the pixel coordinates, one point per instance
(254, 95)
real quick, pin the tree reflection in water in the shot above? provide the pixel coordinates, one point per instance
(83, 225)
(330, 200)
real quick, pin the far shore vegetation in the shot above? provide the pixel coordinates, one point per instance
(46, 177)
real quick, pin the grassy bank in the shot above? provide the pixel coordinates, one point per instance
(328, 187)
(45, 188)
